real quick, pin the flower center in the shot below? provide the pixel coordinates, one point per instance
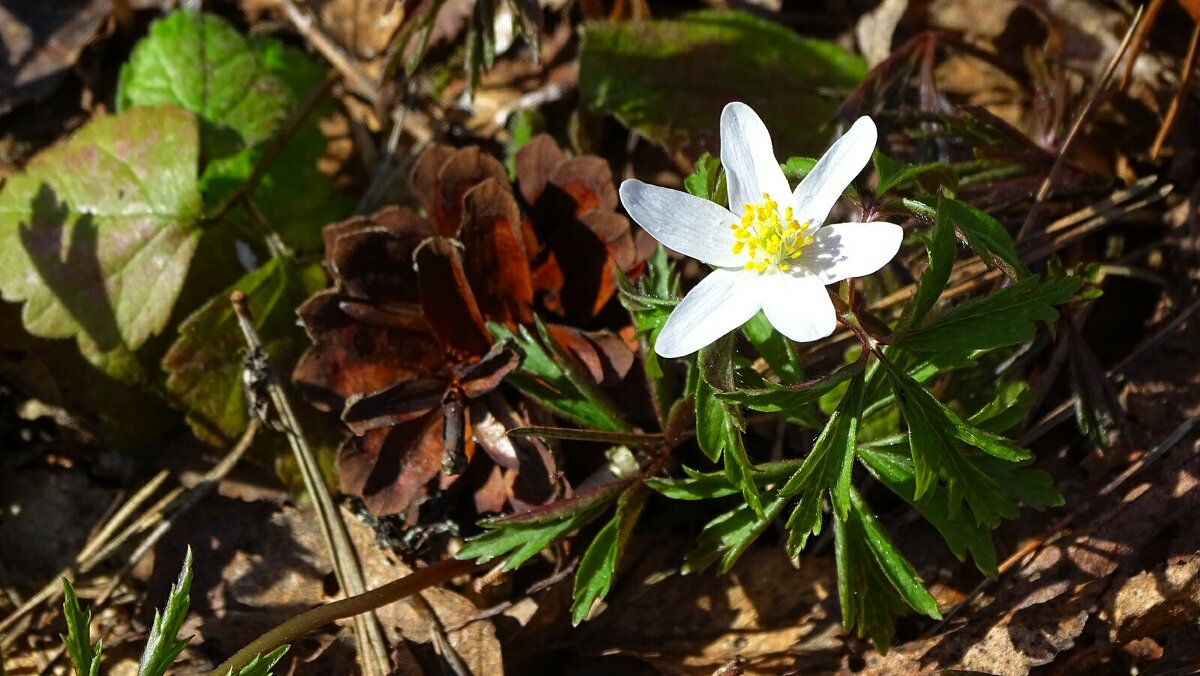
(770, 240)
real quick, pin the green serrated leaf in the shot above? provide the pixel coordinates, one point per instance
(594, 576)
(77, 642)
(162, 647)
(1007, 317)
(707, 486)
(941, 262)
(984, 234)
(962, 534)
(990, 482)
(551, 378)
(729, 535)
(204, 365)
(893, 174)
(261, 665)
(727, 56)
(524, 535)
(703, 182)
(875, 581)
(97, 233)
(827, 469)
(790, 398)
(738, 468)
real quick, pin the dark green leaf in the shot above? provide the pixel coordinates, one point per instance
(738, 468)
(594, 576)
(942, 251)
(162, 647)
(775, 349)
(1007, 317)
(893, 174)
(552, 378)
(706, 486)
(875, 581)
(204, 366)
(710, 59)
(790, 398)
(962, 534)
(727, 536)
(710, 421)
(524, 535)
(985, 235)
(990, 483)
(827, 469)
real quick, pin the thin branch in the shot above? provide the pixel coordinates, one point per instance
(1093, 98)
(366, 602)
(372, 647)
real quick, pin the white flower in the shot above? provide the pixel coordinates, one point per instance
(771, 249)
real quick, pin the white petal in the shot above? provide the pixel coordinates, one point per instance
(842, 250)
(692, 226)
(798, 306)
(721, 302)
(844, 160)
(749, 160)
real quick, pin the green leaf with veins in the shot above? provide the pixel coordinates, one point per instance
(96, 235)
(1007, 317)
(827, 469)
(893, 468)
(942, 251)
(710, 59)
(729, 535)
(524, 535)
(548, 376)
(594, 576)
(943, 446)
(710, 485)
(985, 235)
(200, 62)
(894, 174)
(244, 90)
(875, 581)
(773, 398)
(204, 366)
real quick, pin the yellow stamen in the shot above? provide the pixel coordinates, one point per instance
(769, 240)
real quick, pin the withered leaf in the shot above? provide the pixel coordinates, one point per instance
(495, 260)
(447, 299)
(389, 467)
(404, 401)
(350, 357)
(464, 170)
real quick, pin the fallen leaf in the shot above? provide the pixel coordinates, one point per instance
(40, 41)
(710, 59)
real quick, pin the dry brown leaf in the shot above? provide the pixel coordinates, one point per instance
(766, 612)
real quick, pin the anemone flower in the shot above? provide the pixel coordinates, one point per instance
(771, 249)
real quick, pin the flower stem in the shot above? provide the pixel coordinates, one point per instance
(307, 621)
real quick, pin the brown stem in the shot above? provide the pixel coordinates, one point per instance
(320, 616)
